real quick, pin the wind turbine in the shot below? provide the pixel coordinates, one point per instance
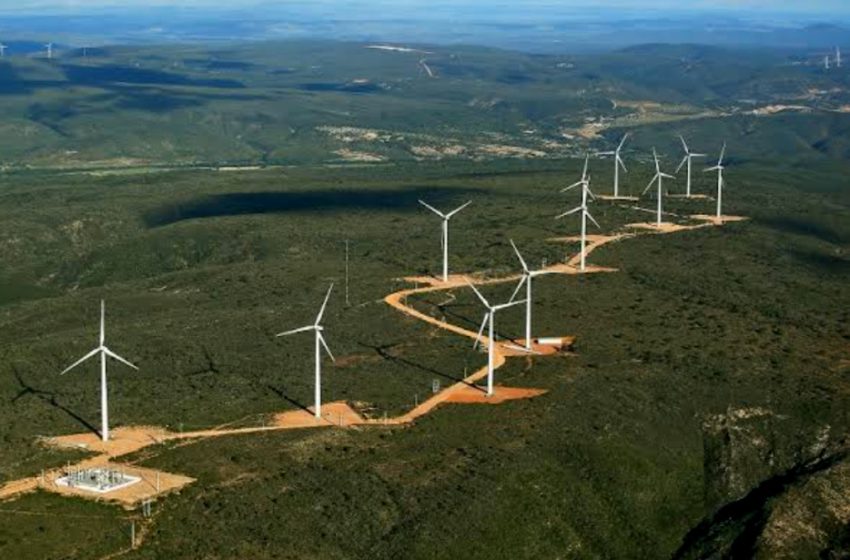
(585, 214)
(838, 57)
(658, 178)
(3, 50)
(489, 321)
(317, 328)
(826, 62)
(618, 162)
(689, 156)
(719, 168)
(104, 352)
(49, 47)
(444, 240)
(527, 276)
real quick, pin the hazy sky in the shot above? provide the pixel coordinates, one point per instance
(812, 6)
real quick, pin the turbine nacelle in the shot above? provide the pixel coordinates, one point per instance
(447, 216)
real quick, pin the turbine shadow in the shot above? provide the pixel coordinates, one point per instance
(48, 397)
(464, 321)
(287, 398)
(382, 351)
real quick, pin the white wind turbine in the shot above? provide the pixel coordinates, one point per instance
(527, 276)
(838, 57)
(689, 157)
(489, 321)
(618, 162)
(49, 47)
(658, 178)
(444, 240)
(317, 328)
(3, 50)
(104, 352)
(719, 168)
(585, 214)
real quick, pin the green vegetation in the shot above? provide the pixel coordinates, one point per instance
(312, 102)
(713, 361)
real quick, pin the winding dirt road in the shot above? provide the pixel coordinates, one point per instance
(131, 439)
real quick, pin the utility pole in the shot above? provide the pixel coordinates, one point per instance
(347, 300)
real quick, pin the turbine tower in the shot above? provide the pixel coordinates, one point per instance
(585, 214)
(527, 276)
(826, 62)
(104, 352)
(49, 47)
(838, 57)
(3, 50)
(489, 321)
(719, 168)
(444, 239)
(689, 156)
(657, 179)
(618, 162)
(317, 328)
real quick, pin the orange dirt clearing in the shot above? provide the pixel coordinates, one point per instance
(592, 240)
(333, 414)
(478, 395)
(713, 219)
(434, 282)
(153, 484)
(665, 227)
(616, 198)
(517, 348)
(692, 197)
(122, 440)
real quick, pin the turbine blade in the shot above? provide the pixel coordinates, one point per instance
(715, 168)
(115, 356)
(685, 144)
(649, 186)
(509, 304)
(623, 141)
(666, 176)
(81, 360)
(324, 305)
(102, 322)
(519, 256)
(571, 187)
(477, 293)
(568, 213)
(458, 209)
(590, 192)
(295, 331)
(623, 165)
(681, 165)
(594, 221)
(657, 165)
(523, 280)
(586, 163)
(325, 346)
(477, 342)
(722, 154)
(432, 209)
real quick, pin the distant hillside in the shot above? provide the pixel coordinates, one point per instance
(331, 102)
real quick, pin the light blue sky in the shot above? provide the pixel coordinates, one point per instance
(811, 6)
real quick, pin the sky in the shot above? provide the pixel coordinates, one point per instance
(824, 7)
